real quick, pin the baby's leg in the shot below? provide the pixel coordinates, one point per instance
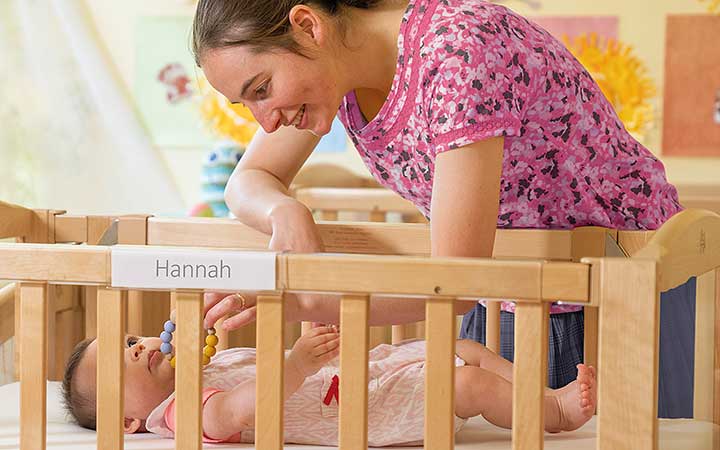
(481, 392)
(476, 354)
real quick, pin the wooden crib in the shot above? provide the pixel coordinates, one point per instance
(334, 193)
(388, 260)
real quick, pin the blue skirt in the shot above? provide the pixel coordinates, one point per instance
(565, 349)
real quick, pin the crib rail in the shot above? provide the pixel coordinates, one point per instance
(15, 220)
(377, 201)
(627, 355)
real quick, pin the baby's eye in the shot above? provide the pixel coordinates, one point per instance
(131, 340)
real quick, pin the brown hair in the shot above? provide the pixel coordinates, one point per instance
(77, 403)
(260, 24)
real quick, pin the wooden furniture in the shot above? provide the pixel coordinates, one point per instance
(391, 259)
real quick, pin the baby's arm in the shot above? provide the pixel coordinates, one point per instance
(227, 413)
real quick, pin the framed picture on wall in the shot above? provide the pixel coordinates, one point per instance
(691, 125)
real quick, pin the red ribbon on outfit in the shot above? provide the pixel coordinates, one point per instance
(333, 391)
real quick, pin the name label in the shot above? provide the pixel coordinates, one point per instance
(185, 268)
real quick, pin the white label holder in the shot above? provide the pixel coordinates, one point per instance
(188, 268)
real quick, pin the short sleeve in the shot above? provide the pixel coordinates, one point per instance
(169, 417)
(475, 86)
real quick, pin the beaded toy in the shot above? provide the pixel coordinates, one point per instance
(211, 340)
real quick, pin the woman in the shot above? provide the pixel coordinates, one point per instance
(473, 113)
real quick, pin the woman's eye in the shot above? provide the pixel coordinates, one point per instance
(261, 91)
(131, 340)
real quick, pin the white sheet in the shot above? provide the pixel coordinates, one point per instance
(679, 434)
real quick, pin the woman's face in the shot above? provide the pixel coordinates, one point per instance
(280, 88)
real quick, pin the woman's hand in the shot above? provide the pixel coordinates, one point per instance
(241, 309)
(314, 349)
(294, 230)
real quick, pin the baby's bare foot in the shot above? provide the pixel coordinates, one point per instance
(577, 400)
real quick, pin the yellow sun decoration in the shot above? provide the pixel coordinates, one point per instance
(234, 122)
(622, 77)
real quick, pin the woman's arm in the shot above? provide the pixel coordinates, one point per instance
(463, 218)
(464, 210)
(257, 192)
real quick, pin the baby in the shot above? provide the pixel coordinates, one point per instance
(483, 385)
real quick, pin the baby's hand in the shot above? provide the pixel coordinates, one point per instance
(314, 349)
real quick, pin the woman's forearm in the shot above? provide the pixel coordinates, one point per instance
(325, 308)
(255, 195)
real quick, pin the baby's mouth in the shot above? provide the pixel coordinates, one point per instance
(151, 355)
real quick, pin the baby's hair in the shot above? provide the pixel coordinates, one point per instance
(80, 406)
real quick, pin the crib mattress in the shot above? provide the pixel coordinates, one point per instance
(677, 434)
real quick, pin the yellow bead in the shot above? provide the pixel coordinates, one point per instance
(206, 360)
(172, 362)
(209, 351)
(211, 340)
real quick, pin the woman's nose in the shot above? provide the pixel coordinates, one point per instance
(268, 119)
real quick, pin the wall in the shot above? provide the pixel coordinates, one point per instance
(642, 25)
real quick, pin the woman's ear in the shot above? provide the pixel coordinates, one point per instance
(132, 425)
(306, 22)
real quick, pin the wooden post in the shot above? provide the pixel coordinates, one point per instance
(110, 370)
(147, 311)
(65, 326)
(492, 326)
(354, 311)
(380, 335)
(96, 226)
(440, 374)
(530, 375)
(703, 391)
(33, 367)
(269, 398)
(188, 371)
(398, 333)
(590, 242)
(628, 356)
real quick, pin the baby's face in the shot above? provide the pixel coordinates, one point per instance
(149, 378)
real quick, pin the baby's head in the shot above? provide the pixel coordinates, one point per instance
(149, 379)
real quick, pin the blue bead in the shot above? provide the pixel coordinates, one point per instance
(165, 348)
(169, 327)
(165, 336)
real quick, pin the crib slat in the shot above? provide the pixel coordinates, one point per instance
(111, 321)
(354, 310)
(329, 214)
(440, 373)
(377, 216)
(270, 373)
(492, 326)
(530, 375)
(305, 327)
(398, 333)
(628, 355)
(590, 241)
(33, 365)
(188, 374)
(704, 346)
(716, 383)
